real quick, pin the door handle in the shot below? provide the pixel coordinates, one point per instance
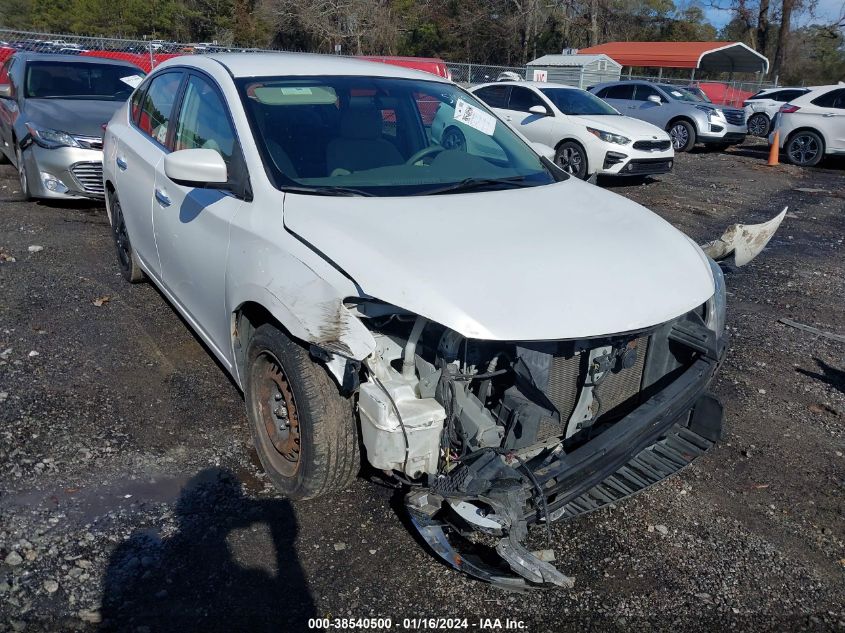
(828, 114)
(162, 198)
(121, 163)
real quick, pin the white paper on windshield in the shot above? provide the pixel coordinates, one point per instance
(474, 118)
(675, 93)
(132, 80)
(296, 91)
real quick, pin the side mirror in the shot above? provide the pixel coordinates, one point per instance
(541, 110)
(197, 167)
(544, 150)
(5, 91)
(655, 99)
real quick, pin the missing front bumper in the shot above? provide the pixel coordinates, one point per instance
(662, 436)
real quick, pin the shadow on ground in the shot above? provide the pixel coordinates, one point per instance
(191, 581)
(829, 375)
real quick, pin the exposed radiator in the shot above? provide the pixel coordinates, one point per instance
(618, 387)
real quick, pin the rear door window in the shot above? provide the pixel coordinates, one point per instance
(619, 91)
(157, 106)
(494, 96)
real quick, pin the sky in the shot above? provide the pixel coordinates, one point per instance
(826, 12)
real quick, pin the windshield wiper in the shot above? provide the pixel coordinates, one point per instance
(327, 191)
(468, 184)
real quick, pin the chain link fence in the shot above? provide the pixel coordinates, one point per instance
(147, 54)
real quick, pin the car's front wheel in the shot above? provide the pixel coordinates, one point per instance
(758, 124)
(572, 158)
(805, 148)
(453, 138)
(23, 175)
(127, 260)
(303, 428)
(682, 134)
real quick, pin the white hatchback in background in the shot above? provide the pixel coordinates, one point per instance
(588, 135)
(761, 108)
(812, 125)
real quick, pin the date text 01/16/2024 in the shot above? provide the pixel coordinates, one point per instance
(416, 624)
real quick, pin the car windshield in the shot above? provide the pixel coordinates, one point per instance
(575, 102)
(682, 94)
(80, 80)
(383, 136)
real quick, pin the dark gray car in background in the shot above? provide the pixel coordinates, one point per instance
(686, 116)
(53, 111)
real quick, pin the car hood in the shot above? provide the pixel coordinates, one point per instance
(634, 129)
(75, 116)
(561, 261)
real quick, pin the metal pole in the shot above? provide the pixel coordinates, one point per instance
(152, 59)
(692, 76)
(660, 73)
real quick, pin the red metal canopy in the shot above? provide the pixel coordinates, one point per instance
(715, 56)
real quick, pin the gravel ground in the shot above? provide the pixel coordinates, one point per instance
(131, 500)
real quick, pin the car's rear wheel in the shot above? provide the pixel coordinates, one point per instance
(23, 176)
(572, 158)
(303, 428)
(682, 134)
(758, 124)
(127, 260)
(805, 148)
(453, 138)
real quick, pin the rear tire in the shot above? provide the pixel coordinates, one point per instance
(127, 260)
(759, 124)
(682, 134)
(805, 148)
(303, 428)
(572, 159)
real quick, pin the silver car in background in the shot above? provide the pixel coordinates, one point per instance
(686, 116)
(53, 110)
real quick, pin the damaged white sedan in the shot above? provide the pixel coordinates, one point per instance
(513, 345)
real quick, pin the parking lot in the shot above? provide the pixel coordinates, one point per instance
(131, 500)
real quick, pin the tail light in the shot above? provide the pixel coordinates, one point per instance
(788, 108)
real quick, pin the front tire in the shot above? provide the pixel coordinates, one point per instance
(453, 138)
(23, 176)
(572, 159)
(127, 260)
(805, 148)
(682, 134)
(758, 124)
(303, 428)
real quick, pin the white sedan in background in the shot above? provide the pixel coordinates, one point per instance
(761, 108)
(588, 135)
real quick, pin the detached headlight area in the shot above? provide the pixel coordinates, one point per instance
(609, 137)
(51, 139)
(716, 306)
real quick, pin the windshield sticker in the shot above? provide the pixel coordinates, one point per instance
(675, 93)
(474, 118)
(296, 91)
(132, 80)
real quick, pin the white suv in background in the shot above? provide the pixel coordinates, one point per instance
(812, 125)
(762, 107)
(588, 134)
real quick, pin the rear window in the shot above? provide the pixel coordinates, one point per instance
(80, 80)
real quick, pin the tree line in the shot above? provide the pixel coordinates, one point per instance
(505, 32)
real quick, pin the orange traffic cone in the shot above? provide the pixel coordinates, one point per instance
(774, 150)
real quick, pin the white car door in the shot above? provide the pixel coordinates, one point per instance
(140, 151)
(192, 222)
(535, 127)
(830, 110)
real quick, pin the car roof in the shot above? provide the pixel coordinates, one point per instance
(84, 59)
(302, 64)
(533, 84)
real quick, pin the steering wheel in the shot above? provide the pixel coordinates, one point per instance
(425, 151)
